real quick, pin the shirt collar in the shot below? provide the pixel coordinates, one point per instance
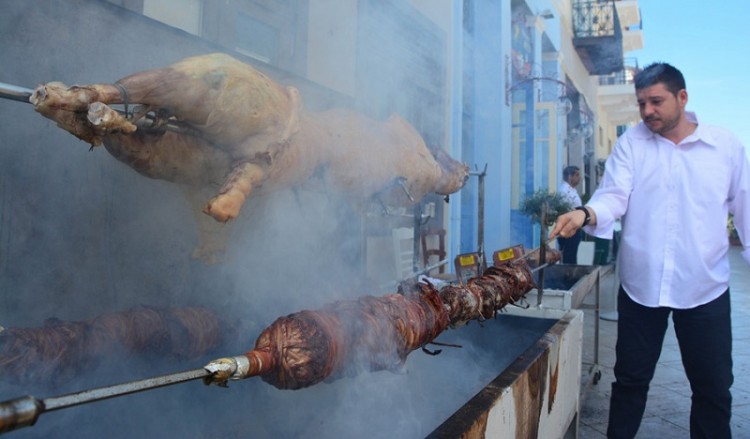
(702, 132)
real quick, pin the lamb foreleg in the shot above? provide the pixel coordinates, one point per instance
(239, 184)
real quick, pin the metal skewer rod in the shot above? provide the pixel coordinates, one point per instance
(539, 268)
(98, 394)
(15, 93)
(542, 254)
(428, 269)
(24, 411)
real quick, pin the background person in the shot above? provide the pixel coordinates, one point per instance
(569, 246)
(674, 181)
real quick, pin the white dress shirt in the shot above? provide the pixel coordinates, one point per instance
(570, 194)
(674, 201)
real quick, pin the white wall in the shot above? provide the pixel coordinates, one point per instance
(331, 49)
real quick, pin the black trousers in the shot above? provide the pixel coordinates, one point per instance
(569, 247)
(704, 335)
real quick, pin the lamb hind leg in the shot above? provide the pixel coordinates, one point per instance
(68, 107)
(226, 205)
(157, 87)
(56, 95)
(166, 90)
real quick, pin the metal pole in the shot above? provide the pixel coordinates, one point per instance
(24, 411)
(542, 254)
(15, 93)
(480, 217)
(417, 237)
(597, 314)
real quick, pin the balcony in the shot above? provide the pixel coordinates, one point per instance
(597, 36)
(629, 15)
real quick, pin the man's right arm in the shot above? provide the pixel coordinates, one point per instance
(610, 200)
(568, 223)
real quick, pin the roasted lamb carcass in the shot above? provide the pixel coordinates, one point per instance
(370, 333)
(61, 350)
(244, 132)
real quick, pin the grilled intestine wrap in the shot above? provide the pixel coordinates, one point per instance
(369, 333)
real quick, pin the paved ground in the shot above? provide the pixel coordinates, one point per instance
(668, 408)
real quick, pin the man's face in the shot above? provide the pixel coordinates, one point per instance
(574, 178)
(661, 111)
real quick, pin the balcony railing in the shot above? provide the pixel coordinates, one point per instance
(595, 19)
(597, 36)
(624, 76)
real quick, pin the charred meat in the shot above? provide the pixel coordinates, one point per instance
(370, 333)
(60, 350)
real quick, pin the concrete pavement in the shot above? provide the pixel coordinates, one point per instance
(668, 408)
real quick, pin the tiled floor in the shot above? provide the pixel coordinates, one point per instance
(668, 407)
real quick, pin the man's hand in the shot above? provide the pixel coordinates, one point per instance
(567, 224)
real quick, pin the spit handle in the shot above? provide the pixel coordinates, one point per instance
(20, 412)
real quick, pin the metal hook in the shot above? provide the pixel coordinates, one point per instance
(125, 97)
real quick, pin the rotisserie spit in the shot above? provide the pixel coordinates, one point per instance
(344, 338)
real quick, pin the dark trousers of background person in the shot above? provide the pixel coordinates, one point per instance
(704, 334)
(569, 247)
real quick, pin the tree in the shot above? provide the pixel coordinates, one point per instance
(557, 205)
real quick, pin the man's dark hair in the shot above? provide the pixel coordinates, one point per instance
(570, 170)
(660, 72)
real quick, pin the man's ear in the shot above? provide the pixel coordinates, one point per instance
(682, 97)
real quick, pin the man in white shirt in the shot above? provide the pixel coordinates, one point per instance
(674, 182)
(569, 246)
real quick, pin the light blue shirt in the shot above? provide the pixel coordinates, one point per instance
(674, 201)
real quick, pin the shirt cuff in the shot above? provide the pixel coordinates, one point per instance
(605, 222)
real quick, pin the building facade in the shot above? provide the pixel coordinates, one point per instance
(517, 89)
